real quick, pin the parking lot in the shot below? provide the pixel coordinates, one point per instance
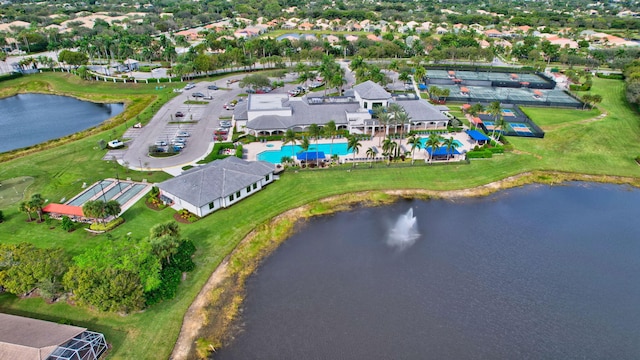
(199, 120)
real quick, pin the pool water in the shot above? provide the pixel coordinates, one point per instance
(274, 156)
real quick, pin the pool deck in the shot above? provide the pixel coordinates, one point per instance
(253, 149)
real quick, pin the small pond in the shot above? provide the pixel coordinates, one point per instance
(30, 119)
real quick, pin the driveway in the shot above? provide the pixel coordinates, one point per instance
(199, 120)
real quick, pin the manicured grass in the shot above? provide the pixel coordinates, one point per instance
(547, 118)
(607, 146)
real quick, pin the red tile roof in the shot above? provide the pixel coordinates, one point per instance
(63, 209)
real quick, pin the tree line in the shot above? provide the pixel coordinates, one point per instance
(116, 276)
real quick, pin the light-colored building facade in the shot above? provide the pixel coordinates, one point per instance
(216, 185)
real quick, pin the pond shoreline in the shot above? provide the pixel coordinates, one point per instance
(220, 299)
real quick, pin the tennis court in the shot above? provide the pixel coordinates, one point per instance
(488, 76)
(522, 96)
(521, 129)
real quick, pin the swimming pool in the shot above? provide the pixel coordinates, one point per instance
(274, 156)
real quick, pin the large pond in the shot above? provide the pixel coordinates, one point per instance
(29, 119)
(531, 273)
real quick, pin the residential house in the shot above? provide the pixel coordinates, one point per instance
(493, 33)
(219, 184)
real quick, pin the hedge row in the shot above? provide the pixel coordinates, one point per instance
(610, 76)
(108, 226)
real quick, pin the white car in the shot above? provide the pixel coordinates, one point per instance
(160, 143)
(115, 144)
(183, 134)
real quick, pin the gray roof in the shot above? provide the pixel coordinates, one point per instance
(240, 111)
(31, 339)
(202, 185)
(304, 114)
(371, 91)
(421, 110)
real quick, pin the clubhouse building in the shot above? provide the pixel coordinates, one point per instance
(216, 185)
(274, 114)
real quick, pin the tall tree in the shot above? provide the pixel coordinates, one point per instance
(450, 144)
(433, 142)
(315, 131)
(389, 148)
(495, 110)
(416, 144)
(371, 153)
(353, 144)
(290, 138)
(25, 207)
(330, 130)
(36, 204)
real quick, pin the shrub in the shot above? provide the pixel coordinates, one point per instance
(108, 226)
(1, 216)
(479, 154)
(170, 279)
(610, 76)
(67, 224)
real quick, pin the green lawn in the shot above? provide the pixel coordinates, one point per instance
(607, 146)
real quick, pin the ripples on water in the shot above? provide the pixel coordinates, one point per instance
(536, 272)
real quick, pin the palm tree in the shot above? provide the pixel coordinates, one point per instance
(494, 110)
(385, 119)
(433, 142)
(389, 148)
(416, 143)
(450, 144)
(36, 204)
(305, 144)
(26, 208)
(330, 131)
(402, 118)
(474, 110)
(112, 208)
(315, 131)
(290, 138)
(370, 155)
(353, 144)
(169, 228)
(419, 74)
(395, 109)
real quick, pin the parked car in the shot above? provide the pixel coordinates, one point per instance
(190, 86)
(208, 97)
(225, 124)
(212, 87)
(250, 91)
(179, 114)
(197, 94)
(183, 134)
(178, 146)
(114, 144)
(228, 106)
(160, 143)
(221, 132)
(178, 141)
